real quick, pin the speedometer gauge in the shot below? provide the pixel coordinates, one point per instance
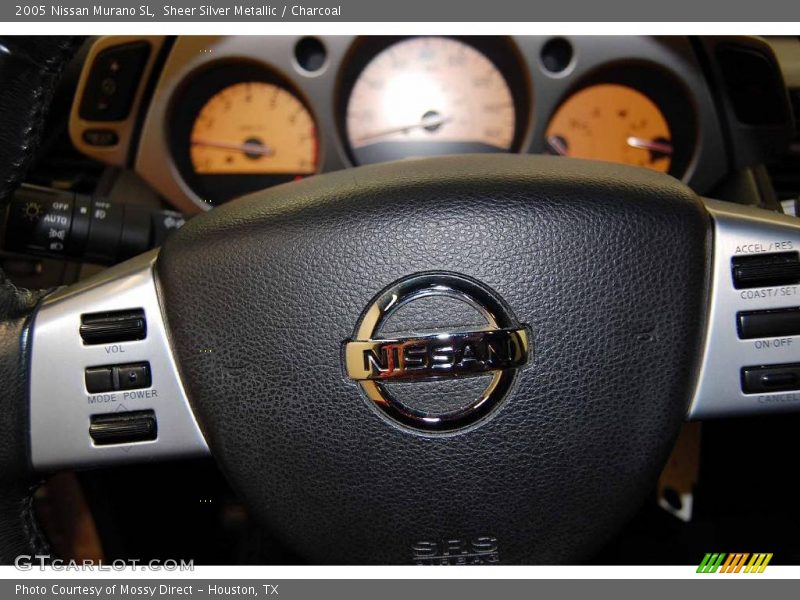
(427, 96)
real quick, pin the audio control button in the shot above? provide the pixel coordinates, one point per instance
(132, 377)
(115, 378)
(99, 380)
(112, 327)
(123, 427)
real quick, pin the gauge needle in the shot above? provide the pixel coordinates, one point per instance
(247, 148)
(651, 145)
(556, 144)
(432, 122)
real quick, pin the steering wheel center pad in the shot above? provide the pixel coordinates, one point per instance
(606, 265)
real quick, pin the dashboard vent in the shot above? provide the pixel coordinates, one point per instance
(785, 174)
(753, 82)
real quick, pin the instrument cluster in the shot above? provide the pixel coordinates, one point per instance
(232, 115)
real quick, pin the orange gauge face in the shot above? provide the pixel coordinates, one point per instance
(429, 95)
(614, 123)
(252, 128)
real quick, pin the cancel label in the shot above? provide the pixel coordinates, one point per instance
(767, 399)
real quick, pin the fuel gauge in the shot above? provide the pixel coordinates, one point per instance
(612, 122)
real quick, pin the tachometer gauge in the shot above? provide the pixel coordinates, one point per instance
(612, 122)
(426, 96)
(239, 128)
(254, 127)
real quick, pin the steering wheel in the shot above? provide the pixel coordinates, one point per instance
(461, 359)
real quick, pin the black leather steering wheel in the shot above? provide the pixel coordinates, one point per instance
(469, 358)
(30, 68)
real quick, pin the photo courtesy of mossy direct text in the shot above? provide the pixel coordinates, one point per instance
(152, 591)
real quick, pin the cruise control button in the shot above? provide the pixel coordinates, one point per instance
(765, 270)
(772, 378)
(768, 323)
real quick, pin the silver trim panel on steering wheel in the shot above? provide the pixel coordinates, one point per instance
(754, 284)
(144, 413)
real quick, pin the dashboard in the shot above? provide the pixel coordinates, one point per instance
(190, 122)
(204, 119)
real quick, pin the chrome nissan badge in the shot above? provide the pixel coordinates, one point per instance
(490, 346)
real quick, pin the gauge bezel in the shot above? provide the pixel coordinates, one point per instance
(662, 87)
(501, 51)
(193, 94)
